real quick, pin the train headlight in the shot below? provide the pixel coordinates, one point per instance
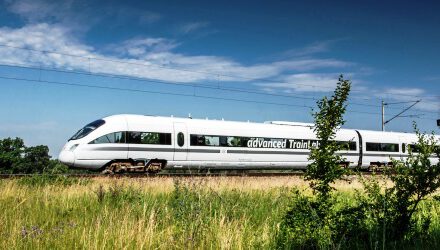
(73, 147)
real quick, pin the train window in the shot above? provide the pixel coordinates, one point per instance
(197, 140)
(386, 147)
(414, 148)
(87, 129)
(102, 139)
(180, 139)
(205, 140)
(223, 141)
(149, 138)
(212, 140)
(117, 137)
(347, 145)
(403, 147)
(234, 141)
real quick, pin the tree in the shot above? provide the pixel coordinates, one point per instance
(34, 160)
(312, 222)
(16, 158)
(326, 165)
(414, 179)
(10, 153)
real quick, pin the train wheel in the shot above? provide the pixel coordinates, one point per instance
(155, 166)
(373, 168)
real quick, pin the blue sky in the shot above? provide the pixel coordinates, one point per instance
(237, 60)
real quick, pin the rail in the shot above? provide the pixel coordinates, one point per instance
(173, 174)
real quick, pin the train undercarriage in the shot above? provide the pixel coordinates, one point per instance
(154, 166)
(135, 166)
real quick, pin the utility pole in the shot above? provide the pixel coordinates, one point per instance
(383, 115)
(398, 115)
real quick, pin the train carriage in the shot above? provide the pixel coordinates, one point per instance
(150, 143)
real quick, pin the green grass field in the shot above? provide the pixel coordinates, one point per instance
(153, 213)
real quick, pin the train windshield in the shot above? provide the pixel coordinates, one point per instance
(87, 129)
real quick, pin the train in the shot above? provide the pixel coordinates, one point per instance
(129, 142)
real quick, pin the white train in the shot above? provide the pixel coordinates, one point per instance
(149, 143)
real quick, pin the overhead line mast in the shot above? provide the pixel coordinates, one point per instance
(399, 114)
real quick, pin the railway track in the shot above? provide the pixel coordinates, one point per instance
(169, 174)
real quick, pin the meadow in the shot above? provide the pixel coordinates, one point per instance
(155, 213)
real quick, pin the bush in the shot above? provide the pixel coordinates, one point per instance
(414, 179)
(302, 226)
(311, 224)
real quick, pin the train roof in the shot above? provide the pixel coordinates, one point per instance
(266, 123)
(207, 121)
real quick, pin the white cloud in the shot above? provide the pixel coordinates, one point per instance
(154, 58)
(311, 64)
(194, 26)
(432, 78)
(142, 46)
(305, 82)
(312, 49)
(151, 58)
(38, 10)
(427, 103)
(74, 15)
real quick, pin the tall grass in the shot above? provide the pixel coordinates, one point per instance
(160, 213)
(121, 213)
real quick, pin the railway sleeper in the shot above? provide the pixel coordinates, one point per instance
(135, 166)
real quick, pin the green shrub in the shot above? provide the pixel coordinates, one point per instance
(302, 226)
(414, 179)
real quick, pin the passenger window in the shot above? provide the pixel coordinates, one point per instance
(385, 147)
(234, 141)
(403, 147)
(117, 137)
(197, 140)
(100, 140)
(212, 141)
(134, 137)
(414, 148)
(347, 145)
(150, 138)
(223, 141)
(180, 139)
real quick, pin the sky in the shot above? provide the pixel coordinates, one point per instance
(64, 64)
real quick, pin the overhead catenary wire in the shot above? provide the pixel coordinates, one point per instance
(194, 85)
(171, 93)
(150, 64)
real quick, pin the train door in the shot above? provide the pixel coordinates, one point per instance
(181, 141)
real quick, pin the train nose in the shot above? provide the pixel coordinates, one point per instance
(67, 157)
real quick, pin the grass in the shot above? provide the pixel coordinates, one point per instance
(160, 213)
